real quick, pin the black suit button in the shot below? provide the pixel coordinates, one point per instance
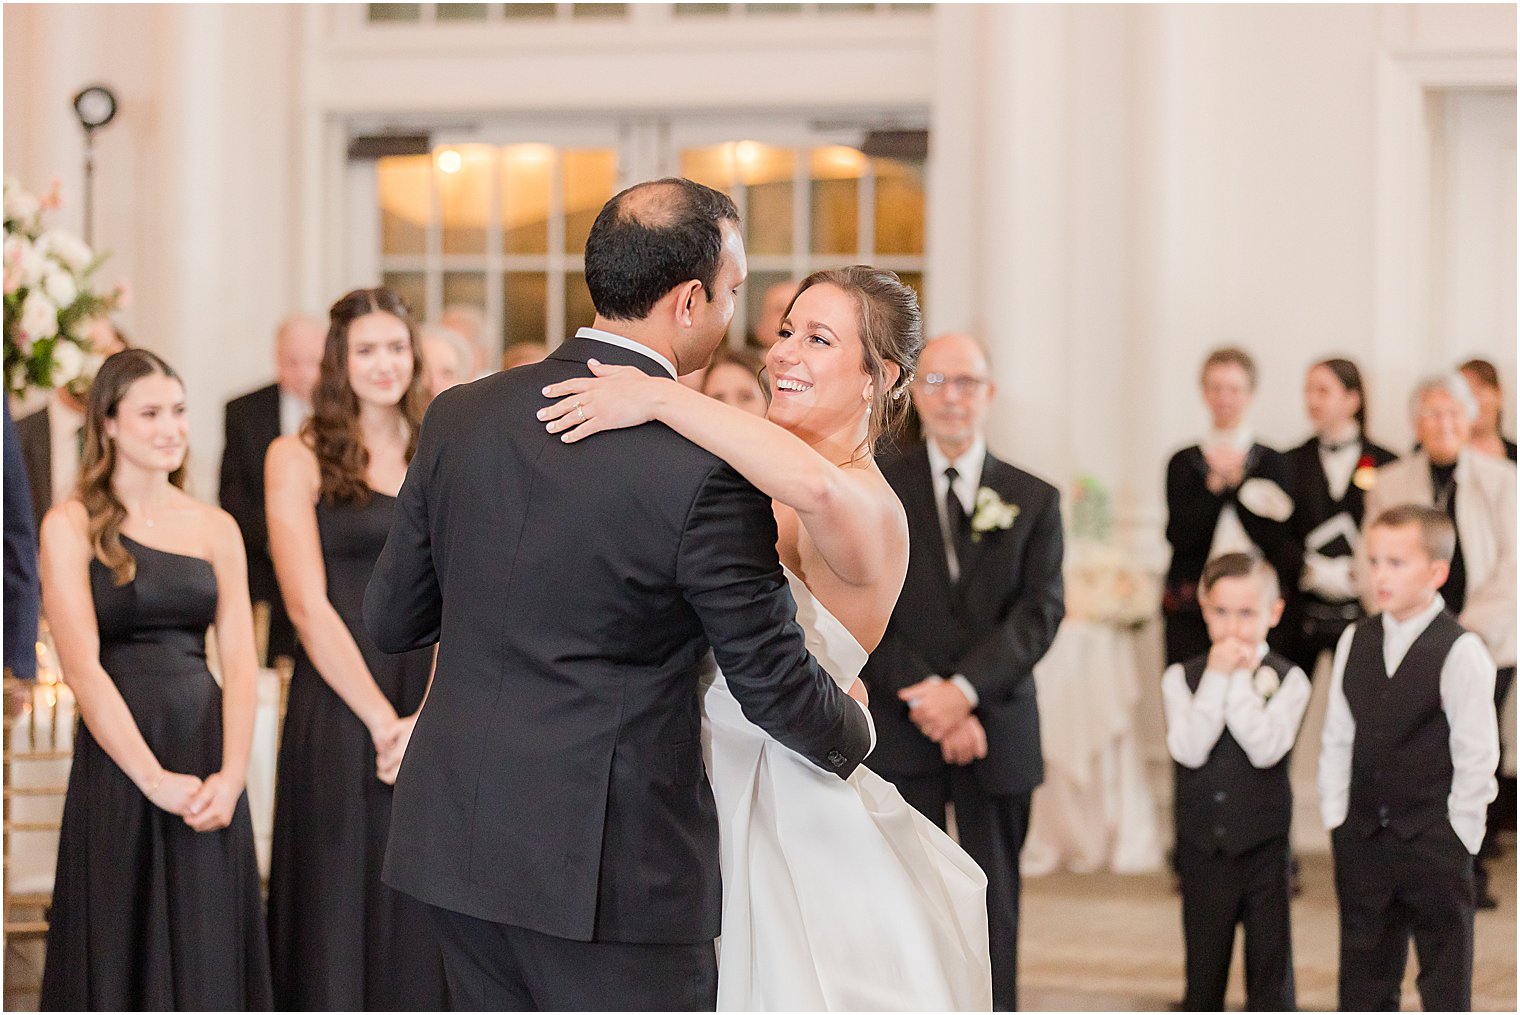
(837, 759)
(1219, 796)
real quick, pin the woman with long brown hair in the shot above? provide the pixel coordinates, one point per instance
(156, 903)
(339, 938)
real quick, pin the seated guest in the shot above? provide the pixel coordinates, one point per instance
(1231, 719)
(251, 424)
(1406, 770)
(52, 438)
(520, 354)
(1488, 435)
(1226, 494)
(470, 324)
(733, 378)
(767, 330)
(1330, 474)
(1477, 492)
(445, 357)
(156, 906)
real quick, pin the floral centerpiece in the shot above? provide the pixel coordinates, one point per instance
(1104, 583)
(49, 302)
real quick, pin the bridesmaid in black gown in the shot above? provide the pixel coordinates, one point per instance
(156, 903)
(339, 938)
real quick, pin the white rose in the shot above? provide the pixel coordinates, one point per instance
(60, 287)
(68, 248)
(1266, 681)
(39, 318)
(20, 206)
(68, 362)
(26, 261)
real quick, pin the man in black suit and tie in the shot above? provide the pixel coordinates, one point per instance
(551, 807)
(52, 438)
(253, 421)
(952, 684)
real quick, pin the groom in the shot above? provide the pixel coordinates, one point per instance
(552, 808)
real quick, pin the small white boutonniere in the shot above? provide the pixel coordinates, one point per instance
(991, 513)
(1266, 682)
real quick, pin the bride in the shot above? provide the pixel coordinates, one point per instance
(837, 895)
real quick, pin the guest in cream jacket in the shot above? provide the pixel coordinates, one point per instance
(1477, 491)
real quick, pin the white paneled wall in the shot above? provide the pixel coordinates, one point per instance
(1114, 189)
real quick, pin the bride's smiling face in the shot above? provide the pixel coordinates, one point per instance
(817, 369)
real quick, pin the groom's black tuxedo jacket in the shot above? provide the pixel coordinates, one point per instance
(554, 780)
(991, 626)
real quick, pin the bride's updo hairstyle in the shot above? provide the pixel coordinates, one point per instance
(891, 330)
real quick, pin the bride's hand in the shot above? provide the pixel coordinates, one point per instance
(617, 397)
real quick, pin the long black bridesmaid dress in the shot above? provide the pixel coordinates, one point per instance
(339, 938)
(147, 913)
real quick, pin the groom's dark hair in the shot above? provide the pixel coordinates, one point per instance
(651, 238)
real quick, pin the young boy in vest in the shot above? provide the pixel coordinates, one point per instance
(1232, 715)
(1406, 772)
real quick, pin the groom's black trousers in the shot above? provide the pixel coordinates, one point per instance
(498, 967)
(991, 828)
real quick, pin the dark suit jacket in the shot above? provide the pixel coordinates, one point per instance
(554, 780)
(1312, 502)
(37, 451)
(252, 423)
(991, 626)
(23, 589)
(1193, 513)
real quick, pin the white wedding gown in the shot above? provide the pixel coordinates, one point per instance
(837, 894)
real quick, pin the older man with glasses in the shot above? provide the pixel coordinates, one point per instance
(952, 682)
(1477, 491)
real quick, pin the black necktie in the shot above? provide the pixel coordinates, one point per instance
(956, 518)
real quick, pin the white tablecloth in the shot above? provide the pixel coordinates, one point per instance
(1095, 810)
(34, 855)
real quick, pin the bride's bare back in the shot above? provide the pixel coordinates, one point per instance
(865, 607)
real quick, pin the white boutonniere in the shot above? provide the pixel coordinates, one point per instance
(991, 513)
(1266, 682)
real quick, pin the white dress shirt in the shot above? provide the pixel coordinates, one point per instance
(1331, 577)
(65, 423)
(968, 478)
(1229, 534)
(1265, 727)
(293, 412)
(1467, 698)
(597, 335)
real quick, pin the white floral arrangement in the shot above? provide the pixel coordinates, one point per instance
(1265, 682)
(49, 303)
(1104, 583)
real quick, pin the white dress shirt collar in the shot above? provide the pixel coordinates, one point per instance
(293, 412)
(64, 426)
(1398, 635)
(597, 335)
(1239, 438)
(968, 465)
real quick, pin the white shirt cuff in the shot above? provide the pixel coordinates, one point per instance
(965, 688)
(870, 724)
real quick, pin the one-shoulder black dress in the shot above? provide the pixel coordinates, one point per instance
(147, 913)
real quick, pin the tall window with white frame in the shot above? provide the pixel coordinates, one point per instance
(502, 228)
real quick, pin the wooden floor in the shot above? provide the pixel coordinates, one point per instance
(1108, 942)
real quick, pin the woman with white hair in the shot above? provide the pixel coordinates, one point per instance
(1478, 492)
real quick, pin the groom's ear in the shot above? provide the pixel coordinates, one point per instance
(687, 296)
